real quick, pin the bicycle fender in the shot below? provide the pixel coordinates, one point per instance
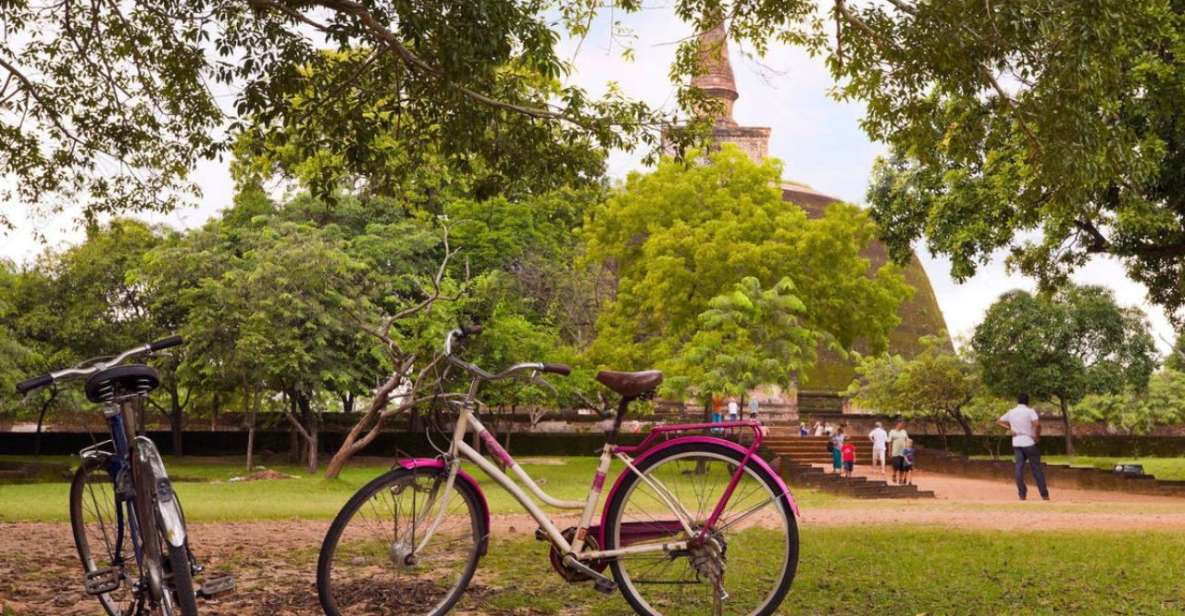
(700, 440)
(167, 507)
(413, 463)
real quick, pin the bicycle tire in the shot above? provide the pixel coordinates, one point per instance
(329, 545)
(78, 494)
(612, 520)
(182, 579)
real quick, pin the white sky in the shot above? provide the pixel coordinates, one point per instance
(817, 138)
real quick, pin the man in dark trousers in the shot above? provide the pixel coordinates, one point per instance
(1024, 425)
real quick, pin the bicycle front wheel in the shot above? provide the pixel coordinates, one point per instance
(743, 568)
(102, 535)
(374, 560)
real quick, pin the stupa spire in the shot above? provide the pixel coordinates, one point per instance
(715, 77)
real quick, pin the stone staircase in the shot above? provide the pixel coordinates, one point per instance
(805, 461)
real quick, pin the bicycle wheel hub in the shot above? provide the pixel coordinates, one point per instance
(402, 554)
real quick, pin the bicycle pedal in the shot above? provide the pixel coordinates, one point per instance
(216, 586)
(605, 586)
(101, 581)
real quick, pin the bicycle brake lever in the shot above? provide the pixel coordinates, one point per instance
(538, 380)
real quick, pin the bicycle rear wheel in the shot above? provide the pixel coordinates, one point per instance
(372, 562)
(97, 522)
(751, 553)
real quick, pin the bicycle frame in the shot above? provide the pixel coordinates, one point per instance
(578, 547)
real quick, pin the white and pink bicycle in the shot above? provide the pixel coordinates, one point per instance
(694, 524)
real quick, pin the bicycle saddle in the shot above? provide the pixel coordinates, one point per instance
(630, 384)
(121, 380)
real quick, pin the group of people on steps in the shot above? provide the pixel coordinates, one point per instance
(1022, 422)
(895, 442)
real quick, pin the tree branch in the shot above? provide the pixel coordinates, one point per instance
(407, 56)
(33, 91)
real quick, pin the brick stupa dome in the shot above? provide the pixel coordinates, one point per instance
(920, 314)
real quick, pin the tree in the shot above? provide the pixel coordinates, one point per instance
(748, 337)
(115, 102)
(1008, 117)
(685, 234)
(937, 384)
(1062, 347)
(1176, 357)
(89, 301)
(1133, 412)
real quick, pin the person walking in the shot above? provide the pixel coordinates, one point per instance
(754, 406)
(837, 451)
(879, 439)
(734, 410)
(897, 438)
(818, 428)
(1024, 425)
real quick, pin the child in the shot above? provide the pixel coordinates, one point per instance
(849, 458)
(907, 463)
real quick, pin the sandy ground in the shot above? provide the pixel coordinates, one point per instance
(274, 561)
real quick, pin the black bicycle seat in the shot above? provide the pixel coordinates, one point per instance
(121, 380)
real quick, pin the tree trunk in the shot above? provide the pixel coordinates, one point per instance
(175, 421)
(352, 444)
(249, 403)
(311, 429)
(1069, 436)
(312, 442)
(963, 423)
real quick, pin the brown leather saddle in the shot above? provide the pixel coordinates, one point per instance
(631, 384)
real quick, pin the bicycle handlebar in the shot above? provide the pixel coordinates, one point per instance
(36, 382)
(44, 380)
(165, 343)
(465, 331)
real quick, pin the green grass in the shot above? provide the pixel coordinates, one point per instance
(217, 500)
(915, 571)
(1163, 468)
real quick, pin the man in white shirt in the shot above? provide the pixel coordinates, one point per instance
(879, 438)
(734, 410)
(1024, 425)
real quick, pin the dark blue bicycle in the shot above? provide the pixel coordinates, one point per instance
(127, 521)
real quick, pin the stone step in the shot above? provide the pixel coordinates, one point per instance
(799, 473)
